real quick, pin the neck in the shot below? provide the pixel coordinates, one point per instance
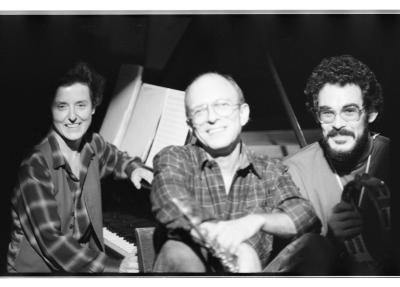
(72, 145)
(68, 148)
(228, 163)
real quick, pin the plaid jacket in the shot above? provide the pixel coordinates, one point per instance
(57, 218)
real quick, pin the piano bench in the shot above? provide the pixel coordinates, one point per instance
(145, 248)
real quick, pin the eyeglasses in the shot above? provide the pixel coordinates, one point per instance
(222, 108)
(349, 114)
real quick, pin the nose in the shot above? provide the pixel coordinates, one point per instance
(338, 123)
(72, 115)
(212, 116)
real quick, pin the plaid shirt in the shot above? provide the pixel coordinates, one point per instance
(35, 210)
(260, 185)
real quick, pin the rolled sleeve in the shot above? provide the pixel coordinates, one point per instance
(289, 200)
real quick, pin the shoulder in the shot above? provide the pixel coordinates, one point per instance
(96, 141)
(38, 154)
(382, 140)
(305, 155)
(34, 166)
(34, 158)
(180, 153)
(267, 167)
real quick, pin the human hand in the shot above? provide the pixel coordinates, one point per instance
(345, 222)
(247, 259)
(228, 235)
(140, 173)
(129, 264)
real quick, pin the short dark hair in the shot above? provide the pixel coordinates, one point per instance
(82, 73)
(342, 70)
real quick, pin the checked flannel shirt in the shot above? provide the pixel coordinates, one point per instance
(261, 185)
(36, 211)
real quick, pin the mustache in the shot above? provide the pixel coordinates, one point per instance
(341, 132)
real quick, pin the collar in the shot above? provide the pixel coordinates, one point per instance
(248, 160)
(58, 157)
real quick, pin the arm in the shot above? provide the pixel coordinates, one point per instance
(291, 215)
(38, 211)
(120, 164)
(172, 177)
(289, 201)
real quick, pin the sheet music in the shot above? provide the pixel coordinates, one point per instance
(172, 128)
(142, 126)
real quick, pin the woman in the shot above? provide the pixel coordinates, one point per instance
(56, 204)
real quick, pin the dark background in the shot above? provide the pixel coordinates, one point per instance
(173, 50)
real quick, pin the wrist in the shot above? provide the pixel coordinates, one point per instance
(258, 220)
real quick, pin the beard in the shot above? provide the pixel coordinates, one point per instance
(345, 161)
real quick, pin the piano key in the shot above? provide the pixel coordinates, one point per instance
(118, 243)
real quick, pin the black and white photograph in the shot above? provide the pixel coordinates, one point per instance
(199, 143)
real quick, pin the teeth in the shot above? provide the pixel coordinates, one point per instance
(72, 125)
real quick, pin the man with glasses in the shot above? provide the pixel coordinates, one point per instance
(220, 205)
(345, 98)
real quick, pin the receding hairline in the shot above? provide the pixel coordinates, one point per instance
(214, 75)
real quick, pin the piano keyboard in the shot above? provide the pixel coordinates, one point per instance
(117, 243)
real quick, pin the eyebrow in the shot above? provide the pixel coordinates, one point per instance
(59, 102)
(345, 106)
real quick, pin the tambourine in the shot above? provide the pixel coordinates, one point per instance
(371, 197)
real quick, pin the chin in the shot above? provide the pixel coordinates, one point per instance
(71, 136)
(218, 145)
(342, 148)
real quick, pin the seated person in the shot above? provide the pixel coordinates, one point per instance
(345, 98)
(220, 204)
(56, 204)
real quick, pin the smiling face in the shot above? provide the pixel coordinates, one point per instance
(72, 112)
(217, 133)
(343, 136)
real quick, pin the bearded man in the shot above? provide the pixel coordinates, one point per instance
(345, 98)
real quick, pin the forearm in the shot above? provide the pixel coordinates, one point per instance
(289, 201)
(169, 214)
(173, 182)
(113, 161)
(279, 223)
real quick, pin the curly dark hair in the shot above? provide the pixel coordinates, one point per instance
(82, 73)
(342, 70)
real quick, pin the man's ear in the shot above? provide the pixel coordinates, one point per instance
(189, 123)
(93, 111)
(372, 116)
(244, 114)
